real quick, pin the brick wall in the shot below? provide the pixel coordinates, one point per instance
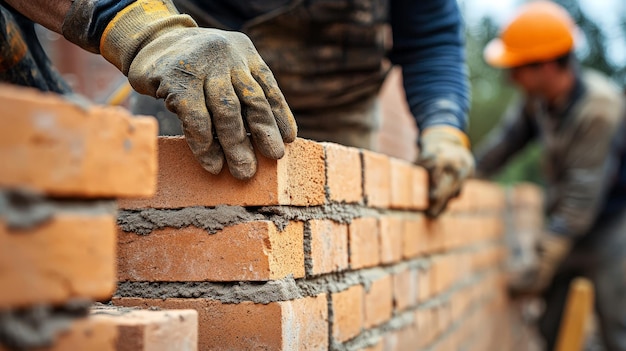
(325, 249)
(63, 167)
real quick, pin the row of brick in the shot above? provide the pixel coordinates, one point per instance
(309, 174)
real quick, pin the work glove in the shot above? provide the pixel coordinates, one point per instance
(215, 81)
(551, 250)
(445, 154)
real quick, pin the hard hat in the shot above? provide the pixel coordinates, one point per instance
(541, 31)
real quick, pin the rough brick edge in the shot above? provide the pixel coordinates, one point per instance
(59, 148)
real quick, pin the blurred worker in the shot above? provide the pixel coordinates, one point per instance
(328, 57)
(578, 118)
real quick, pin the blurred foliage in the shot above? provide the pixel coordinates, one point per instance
(491, 93)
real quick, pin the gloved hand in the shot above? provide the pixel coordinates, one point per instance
(445, 154)
(551, 249)
(214, 80)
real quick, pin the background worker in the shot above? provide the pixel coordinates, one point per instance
(327, 56)
(578, 117)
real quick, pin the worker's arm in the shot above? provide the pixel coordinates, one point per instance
(589, 162)
(428, 44)
(48, 13)
(510, 136)
(215, 81)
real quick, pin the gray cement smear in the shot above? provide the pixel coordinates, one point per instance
(210, 219)
(144, 221)
(38, 326)
(23, 209)
(264, 293)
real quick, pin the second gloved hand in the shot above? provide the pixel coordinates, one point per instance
(445, 154)
(214, 80)
(551, 250)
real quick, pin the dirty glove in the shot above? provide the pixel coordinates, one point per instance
(444, 152)
(215, 81)
(551, 249)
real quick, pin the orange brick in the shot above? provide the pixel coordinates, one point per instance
(364, 242)
(526, 195)
(424, 289)
(343, 173)
(401, 184)
(57, 148)
(329, 246)
(289, 325)
(93, 334)
(348, 313)
(413, 237)
(143, 330)
(405, 289)
(391, 234)
(379, 302)
(377, 179)
(70, 256)
(246, 251)
(296, 179)
(419, 187)
(406, 338)
(478, 195)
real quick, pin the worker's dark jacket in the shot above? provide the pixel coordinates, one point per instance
(332, 52)
(583, 152)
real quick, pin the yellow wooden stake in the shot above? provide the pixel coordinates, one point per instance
(576, 316)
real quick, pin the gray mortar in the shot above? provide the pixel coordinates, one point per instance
(308, 259)
(38, 326)
(210, 219)
(144, 221)
(264, 293)
(22, 209)
(371, 336)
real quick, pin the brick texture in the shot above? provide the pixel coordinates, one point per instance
(343, 173)
(363, 234)
(247, 251)
(376, 179)
(70, 256)
(290, 325)
(348, 314)
(144, 330)
(78, 152)
(329, 246)
(379, 301)
(297, 179)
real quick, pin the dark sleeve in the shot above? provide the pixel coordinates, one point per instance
(513, 133)
(428, 44)
(95, 15)
(589, 165)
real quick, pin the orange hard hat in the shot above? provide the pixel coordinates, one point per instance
(541, 31)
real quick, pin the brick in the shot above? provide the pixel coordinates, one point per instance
(78, 152)
(419, 187)
(405, 289)
(424, 289)
(348, 314)
(343, 173)
(246, 251)
(288, 325)
(478, 195)
(93, 334)
(376, 179)
(72, 255)
(391, 233)
(364, 242)
(401, 184)
(379, 302)
(138, 330)
(413, 237)
(329, 246)
(526, 195)
(297, 179)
